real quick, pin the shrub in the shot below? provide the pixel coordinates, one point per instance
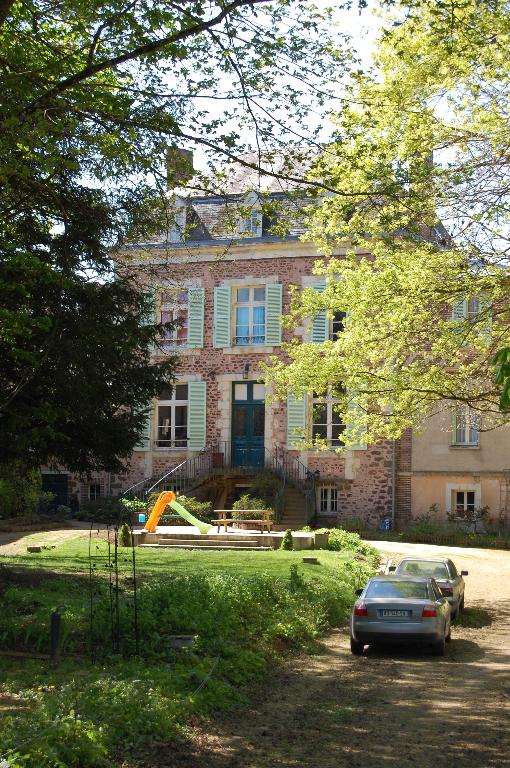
(20, 491)
(340, 539)
(107, 509)
(124, 535)
(270, 489)
(287, 542)
(254, 506)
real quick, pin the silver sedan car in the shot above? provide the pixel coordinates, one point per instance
(443, 570)
(400, 609)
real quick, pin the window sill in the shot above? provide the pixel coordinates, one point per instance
(168, 448)
(466, 447)
(257, 349)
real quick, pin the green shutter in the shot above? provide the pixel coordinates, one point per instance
(273, 314)
(196, 415)
(459, 308)
(320, 325)
(296, 420)
(359, 444)
(485, 327)
(144, 441)
(196, 318)
(149, 318)
(222, 330)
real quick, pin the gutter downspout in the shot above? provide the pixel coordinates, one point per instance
(393, 482)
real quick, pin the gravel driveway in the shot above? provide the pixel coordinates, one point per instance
(388, 708)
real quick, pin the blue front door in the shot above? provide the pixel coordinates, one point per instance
(248, 412)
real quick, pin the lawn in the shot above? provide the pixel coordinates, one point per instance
(245, 610)
(73, 557)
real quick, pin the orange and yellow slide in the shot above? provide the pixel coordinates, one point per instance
(168, 499)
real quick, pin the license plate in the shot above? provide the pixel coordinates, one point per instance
(394, 613)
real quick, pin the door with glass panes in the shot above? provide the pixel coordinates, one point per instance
(248, 413)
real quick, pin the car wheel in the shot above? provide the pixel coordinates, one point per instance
(438, 649)
(356, 647)
(461, 604)
(455, 614)
(449, 635)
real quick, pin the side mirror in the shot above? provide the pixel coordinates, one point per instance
(392, 568)
(358, 592)
(464, 573)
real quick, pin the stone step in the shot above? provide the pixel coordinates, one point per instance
(207, 536)
(213, 547)
(207, 543)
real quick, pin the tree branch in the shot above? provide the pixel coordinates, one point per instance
(155, 45)
(5, 7)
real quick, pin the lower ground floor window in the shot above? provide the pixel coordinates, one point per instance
(328, 500)
(463, 501)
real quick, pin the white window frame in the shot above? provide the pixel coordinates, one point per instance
(251, 225)
(174, 301)
(92, 495)
(466, 507)
(173, 403)
(327, 502)
(252, 303)
(177, 231)
(452, 488)
(329, 401)
(465, 427)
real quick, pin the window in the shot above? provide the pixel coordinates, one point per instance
(328, 500)
(466, 427)
(336, 325)
(250, 315)
(94, 491)
(172, 428)
(397, 589)
(174, 309)
(177, 231)
(252, 224)
(463, 501)
(327, 422)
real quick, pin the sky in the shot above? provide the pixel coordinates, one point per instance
(362, 26)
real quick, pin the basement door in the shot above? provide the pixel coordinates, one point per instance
(248, 414)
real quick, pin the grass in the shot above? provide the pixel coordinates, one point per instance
(474, 618)
(73, 557)
(245, 610)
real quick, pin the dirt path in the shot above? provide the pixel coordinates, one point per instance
(16, 543)
(387, 708)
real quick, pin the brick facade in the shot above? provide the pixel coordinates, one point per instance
(362, 478)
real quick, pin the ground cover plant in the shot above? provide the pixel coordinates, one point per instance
(244, 611)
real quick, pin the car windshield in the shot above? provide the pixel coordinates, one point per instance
(415, 589)
(424, 568)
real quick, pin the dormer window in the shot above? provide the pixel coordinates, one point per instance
(177, 231)
(251, 220)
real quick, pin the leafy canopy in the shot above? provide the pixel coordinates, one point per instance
(416, 237)
(93, 93)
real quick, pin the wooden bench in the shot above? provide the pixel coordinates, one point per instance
(265, 523)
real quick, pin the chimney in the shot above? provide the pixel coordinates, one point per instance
(179, 166)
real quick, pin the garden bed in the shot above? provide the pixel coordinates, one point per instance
(243, 610)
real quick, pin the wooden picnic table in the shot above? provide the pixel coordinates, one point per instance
(265, 522)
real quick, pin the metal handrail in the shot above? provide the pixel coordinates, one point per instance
(174, 469)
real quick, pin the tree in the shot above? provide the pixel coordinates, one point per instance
(93, 95)
(423, 150)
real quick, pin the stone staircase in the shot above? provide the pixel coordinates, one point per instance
(210, 541)
(295, 513)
